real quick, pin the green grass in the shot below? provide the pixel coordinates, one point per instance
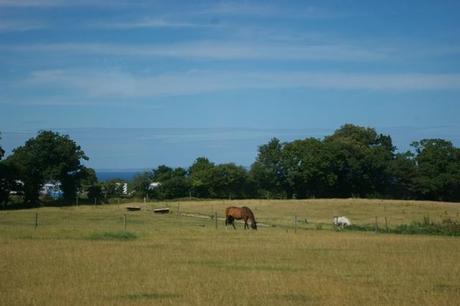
(79, 256)
(113, 236)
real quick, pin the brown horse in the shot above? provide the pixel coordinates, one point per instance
(238, 213)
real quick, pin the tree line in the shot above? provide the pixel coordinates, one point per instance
(354, 161)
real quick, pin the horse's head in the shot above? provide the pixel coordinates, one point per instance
(254, 225)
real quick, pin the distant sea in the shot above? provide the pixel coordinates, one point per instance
(105, 175)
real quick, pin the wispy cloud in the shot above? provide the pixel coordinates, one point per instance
(63, 3)
(148, 23)
(28, 3)
(213, 50)
(239, 8)
(265, 9)
(117, 84)
(8, 25)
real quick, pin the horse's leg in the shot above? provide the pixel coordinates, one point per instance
(233, 223)
(246, 226)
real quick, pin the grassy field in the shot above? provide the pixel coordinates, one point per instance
(83, 256)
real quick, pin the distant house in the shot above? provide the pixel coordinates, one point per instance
(123, 187)
(18, 187)
(52, 189)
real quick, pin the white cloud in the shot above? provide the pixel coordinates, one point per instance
(147, 23)
(117, 84)
(263, 9)
(7, 25)
(59, 3)
(214, 50)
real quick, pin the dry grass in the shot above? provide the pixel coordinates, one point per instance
(360, 211)
(186, 261)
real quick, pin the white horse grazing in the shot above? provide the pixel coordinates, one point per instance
(341, 221)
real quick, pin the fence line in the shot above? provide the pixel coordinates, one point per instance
(379, 226)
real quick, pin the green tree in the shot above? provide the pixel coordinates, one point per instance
(365, 157)
(268, 172)
(49, 156)
(7, 179)
(201, 177)
(403, 172)
(95, 193)
(438, 170)
(229, 181)
(140, 184)
(174, 183)
(113, 188)
(310, 167)
(173, 188)
(88, 177)
(2, 152)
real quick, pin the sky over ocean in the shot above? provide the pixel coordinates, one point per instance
(143, 83)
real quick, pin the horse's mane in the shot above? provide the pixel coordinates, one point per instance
(249, 212)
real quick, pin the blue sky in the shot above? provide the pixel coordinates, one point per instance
(143, 83)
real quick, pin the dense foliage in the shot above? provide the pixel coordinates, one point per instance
(48, 157)
(352, 162)
(358, 162)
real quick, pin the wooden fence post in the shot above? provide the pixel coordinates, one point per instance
(376, 224)
(36, 220)
(178, 209)
(215, 217)
(295, 224)
(124, 222)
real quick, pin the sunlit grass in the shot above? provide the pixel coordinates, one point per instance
(178, 260)
(113, 236)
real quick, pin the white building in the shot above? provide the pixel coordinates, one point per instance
(154, 185)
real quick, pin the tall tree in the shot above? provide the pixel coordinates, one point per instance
(268, 172)
(229, 181)
(201, 177)
(140, 184)
(174, 183)
(49, 156)
(438, 170)
(7, 179)
(310, 168)
(365, 156)
(402, 172)
(2, 152)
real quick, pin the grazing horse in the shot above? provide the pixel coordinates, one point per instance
(341, 221)
(238, 213)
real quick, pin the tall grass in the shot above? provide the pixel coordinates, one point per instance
(176, 260)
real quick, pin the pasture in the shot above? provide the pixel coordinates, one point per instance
(83, 255)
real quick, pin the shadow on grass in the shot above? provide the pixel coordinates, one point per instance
(123, 236)
(150, 296)
(238, 267)
(299, 298)
(447, 227)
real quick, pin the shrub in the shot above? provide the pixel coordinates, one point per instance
(425, 227)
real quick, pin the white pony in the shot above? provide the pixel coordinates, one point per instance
(341, 221)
